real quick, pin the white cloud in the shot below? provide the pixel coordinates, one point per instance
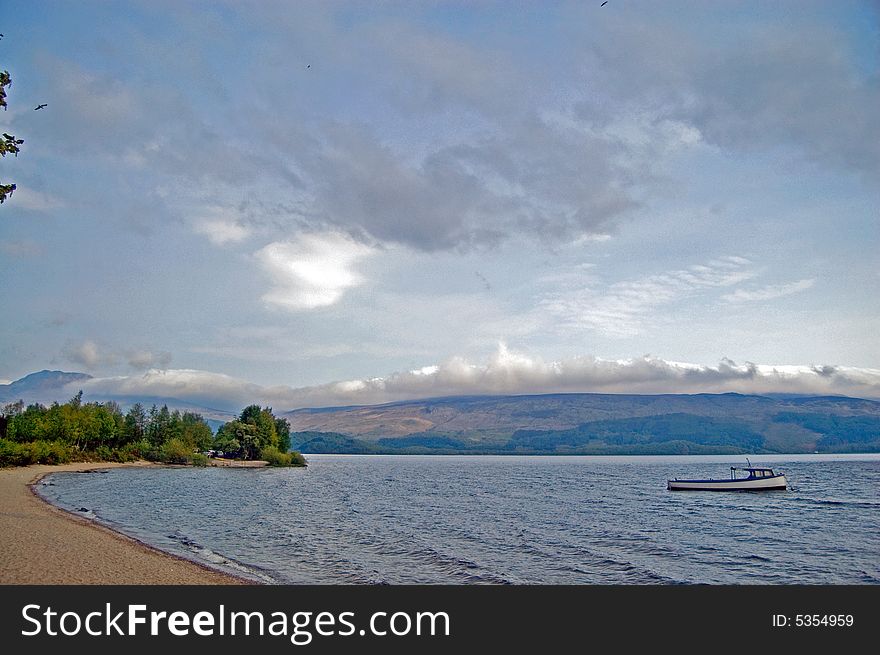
(222, 225)
(311, 271)
(768, 292)
(504, 372)
(622, 309)
(202, 387)
(221, 232)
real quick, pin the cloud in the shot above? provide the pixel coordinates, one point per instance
(622, 309)
(311, 271)
(456, 141)
(769, 292)
(774, 77)
(88, 354)
(221, 230)
(200, 387)
(91, 355)
(504, 372)
(145, 359)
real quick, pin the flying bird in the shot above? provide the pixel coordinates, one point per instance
(604, 3)
(39, 107)
(309, 66)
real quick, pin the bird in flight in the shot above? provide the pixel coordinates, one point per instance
(604, 3)
(39, 107)
(309, 66)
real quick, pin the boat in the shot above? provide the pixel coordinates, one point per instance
(759, 478)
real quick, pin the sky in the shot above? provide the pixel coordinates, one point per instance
(321, 203)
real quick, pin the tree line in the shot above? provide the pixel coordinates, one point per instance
(91, 431)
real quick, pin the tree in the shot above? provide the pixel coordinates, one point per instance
(159, 425)
(263, 422)
(135, 425)
(255, 432)
(237, 439)
(282, 429)
(195, 432)
(8, 144)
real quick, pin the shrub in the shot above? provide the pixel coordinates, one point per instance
(13, 454)
(276, 458)
(103, 454)
(175, 451)
(141, 449)
(199, 459)
(34, 452)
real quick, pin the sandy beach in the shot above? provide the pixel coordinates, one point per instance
(41, 544)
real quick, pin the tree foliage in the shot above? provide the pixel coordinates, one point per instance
(8, 144)
(257, 434)
(77, 430)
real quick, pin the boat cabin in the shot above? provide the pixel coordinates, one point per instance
(754, 472)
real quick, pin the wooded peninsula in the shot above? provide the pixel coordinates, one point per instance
(100, 432)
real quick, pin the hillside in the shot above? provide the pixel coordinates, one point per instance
(577, 423)
(43, 386)
(595, 424)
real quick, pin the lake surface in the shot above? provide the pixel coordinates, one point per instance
(522, 520)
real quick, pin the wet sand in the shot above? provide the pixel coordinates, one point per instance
(41, 544)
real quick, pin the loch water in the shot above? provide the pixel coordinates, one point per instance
(376, 519)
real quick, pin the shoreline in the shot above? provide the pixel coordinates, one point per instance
(41, 543)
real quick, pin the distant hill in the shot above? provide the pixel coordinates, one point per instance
(43, 386)
(576, 423)
(595, 424)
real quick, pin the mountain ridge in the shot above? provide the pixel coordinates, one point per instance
(554, 423)
(585, 423)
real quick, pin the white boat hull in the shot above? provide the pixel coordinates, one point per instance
(750, 484)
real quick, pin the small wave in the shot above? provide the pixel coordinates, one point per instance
(838, 502)
(206, 555)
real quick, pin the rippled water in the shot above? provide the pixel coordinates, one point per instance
(521, 520)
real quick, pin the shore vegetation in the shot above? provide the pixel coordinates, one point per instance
(78, 431)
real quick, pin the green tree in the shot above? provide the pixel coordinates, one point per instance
(159, 425)
(263, 421)
(258, 434)
(282, 429)
(195, 432)
(226, 442)
(135, 425)
(237, 439)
